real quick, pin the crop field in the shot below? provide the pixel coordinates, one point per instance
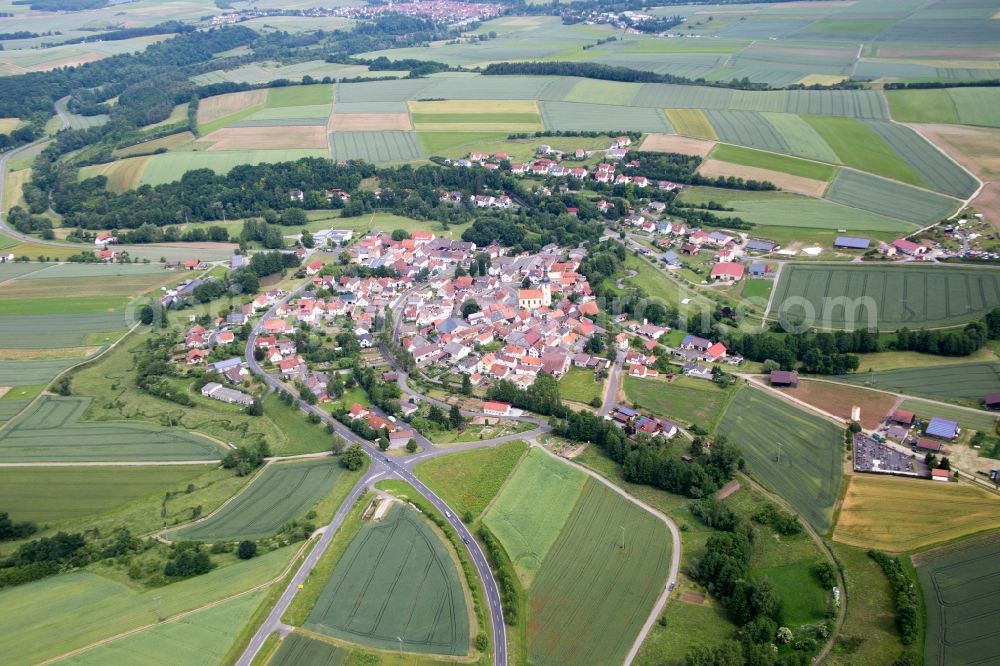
(63, 271)
(517, 517)
(746, 128)
(50, 617)
(953, 106)
(467, 481)
(691, 401)
(937, 169)
(476, 116)
(283, 492)
(671, 143)
(46, 494)
(32, 372)
(890, 198)
(369, 122)
(297, 649)
(799, 136)
(784, 181)
(589, 580)
(267, 138)
(52, 432)
(222, 106)
(858, 146)
(578, 117)
(692, 122)
(422, 602)
(167, 142)
(578, 384)
(961, 585)
(290, 96)
(122, 175)
(960, 381)
(968, 419)
(594, 91)
(876, 513)
(807, 213)
(169, 167)
(773, 162)
(795, 454)
(837, 399)
(53, 331)
(899, 295)
(375, 146)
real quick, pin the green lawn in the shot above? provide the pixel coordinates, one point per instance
(578, 385)
(300, 435)
(531, 510)
(773, 161)
(690, 401)
(467, 481)
(795, 454)
(803, 601)
(757, 288)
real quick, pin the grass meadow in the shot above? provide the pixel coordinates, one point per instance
(469, 480)
(690, 401)
(773, 161)
(968, 382)
(807, 473)
(578, 385)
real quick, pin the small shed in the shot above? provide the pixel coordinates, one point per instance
(902, 416)
(941, 475)
(784, 378)
(992, 401)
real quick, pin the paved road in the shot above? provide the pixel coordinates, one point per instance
(613, 383)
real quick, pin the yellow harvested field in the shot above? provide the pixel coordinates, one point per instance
(691, 122)
(68, 61)
(787, 182)
(821, 79)
(122, 175)
(475, 106)
(8, 125)
(246, 138)
(898, 514)
(13, 194)
(168, 142)
(672, 143)
(220, 106)
(44, 354)
(369, 122)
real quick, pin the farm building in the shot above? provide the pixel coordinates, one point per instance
(940, 475)
(727, 270)
(694, 342)
(496, 408)
(671, 259)
(992, 401)
(902, 416)
(784, 378)
(762, 270)
(217, 391)
(761, 245)
(851, 243)
(942, 428)
(908, 247)
(930, 445)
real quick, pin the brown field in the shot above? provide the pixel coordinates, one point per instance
(937, 53)
(792, 52)
(168, 142)
(787, 182)
(899, 515)
(671, 143)
(692, 598)
(42, 354)
(68, 61)
(220, 106)
(369, 122)
(243, 138)
(975, 149)
(837, 399)
(727, 490)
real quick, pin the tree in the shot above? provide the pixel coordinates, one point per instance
(455, 416)
(255, 408)
(337, 445)
(246, 550)
(469, 307)
(383, 442)
(353, 458)
(411, 445)
(770, 365)
(466, 385)
(945, 463)
(400, 234)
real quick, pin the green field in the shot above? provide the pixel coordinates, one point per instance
(961, 381)
(799, 136)
(933, 165)
(966, 418)
(578, 384)
(803, 601)
(889, 197)
(965, 106)
(467, 481)
(35, 372)
(517, 517)
(283, 492)
(300, 435)
(169, 167)
(46, 494)
(200, 638)
(52, 432)
(299, 96)
(56, 331)
(421, 601)
(858, 146)
(809, 470)
(773, 161)
(899, 296)
(48, 618)
(962, 599)
(375, 146)
(757, 288)
(580, 117)
(587, 580)
(690, 401)
(299, 650)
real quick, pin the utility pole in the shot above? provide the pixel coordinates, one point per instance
(779, 452)
(156, 605)
(623, 537)
(400, 639)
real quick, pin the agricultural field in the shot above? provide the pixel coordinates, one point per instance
(423, 602)
(969, 419)
(49, 494)
(952, 106)
(671, 143)
(375, 146)
(515, 517)
(692, 122)
(476, 116)
(961, 602)
(773, 162)
(877, 513)
(581, 117)
(896, 296)
(50, 617)
(33, 372)
(578, 385)
(202, 637)
(169, 167)
(469, 480)
(858, 146)
(690, 401)
(52, 432)
(588, 579)
(54, 331)
(890, 198)
(968, 382)
(837, 399)
(167, 142)
(933, 166)
(282, 493)
(806, 469)
(783, 181)
(124, 174)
